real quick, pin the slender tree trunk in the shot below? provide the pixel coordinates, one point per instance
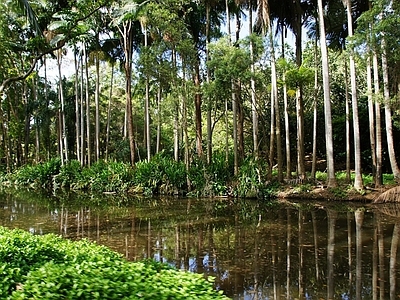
(97, 104)
(331, 179)
(147, 104)
(299, 99)
(176, 115)
(159, 93)
(208, 75)
(77, 115)
(64, 145)
(109, 109)
(253, 87)
(27, 129)
(198, 102)
(82, 109)
(127, 44)
(378, 121)
(347, 112)
(275, 103)
(239, 101)
(271, 136)
(314, 155)
(388, 112)
(286, 114)
(358, 181)
(88, 148)
(371, 115)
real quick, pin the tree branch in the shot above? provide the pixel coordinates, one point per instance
(10, 80)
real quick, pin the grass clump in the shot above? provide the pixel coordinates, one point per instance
(48, 267)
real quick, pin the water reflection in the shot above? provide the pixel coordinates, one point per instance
(255, 250)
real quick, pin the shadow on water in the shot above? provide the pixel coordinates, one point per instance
(255, 250)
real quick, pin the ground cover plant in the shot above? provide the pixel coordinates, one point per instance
(49, 267)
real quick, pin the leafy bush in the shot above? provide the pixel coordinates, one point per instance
(40, 175)
(105, 177)
(251, 178)
(161, 174)
(48, 267)
(68, 175)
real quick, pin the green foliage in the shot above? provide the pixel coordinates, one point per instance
(161, 174)
(251, 178)
(49, 267)
(37, 176)
(69, 173)
(105, 177)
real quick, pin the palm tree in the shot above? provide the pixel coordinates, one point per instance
(331, 179)
(358, 183)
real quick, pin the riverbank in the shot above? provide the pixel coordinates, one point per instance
(164, 176)
(341, 193)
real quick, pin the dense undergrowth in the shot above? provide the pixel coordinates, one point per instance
(160, 175)
(49, 267)
(163, 175)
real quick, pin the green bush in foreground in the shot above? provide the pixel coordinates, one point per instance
(48, 267)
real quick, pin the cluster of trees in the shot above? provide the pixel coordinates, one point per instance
(161, 75)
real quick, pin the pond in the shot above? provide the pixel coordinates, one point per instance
(255, 250)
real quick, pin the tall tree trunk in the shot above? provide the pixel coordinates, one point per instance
(286, 113)
(127, 44)
(388, 111)
(64, 145)
(82, 109)
(109, 109)
(147, 103)
(176, 114)
(315, 114)
(77, 115)
(197, 103)
(299, 97)
(378, 121)
(239, 100)
(371, 115)
(254, 113)
(158, 141)
(87, 98)
(208, 75)
(271, 136)
(96, 100)
(358, 181)
(234, 102)
(331, 179)
(347, 111)
(27, 126)
(275, 103)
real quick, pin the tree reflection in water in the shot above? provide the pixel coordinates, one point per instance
(256, 250)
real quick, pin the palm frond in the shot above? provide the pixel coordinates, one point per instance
(31, 16)
(391, 195)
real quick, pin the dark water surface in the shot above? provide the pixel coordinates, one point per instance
(256, 250)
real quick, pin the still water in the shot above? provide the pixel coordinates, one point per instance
(255, 250)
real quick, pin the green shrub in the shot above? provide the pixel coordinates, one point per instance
(48, 267)
(37, 176)
(68, 175)
(251, 178)
(104, 177)
(161, 174)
